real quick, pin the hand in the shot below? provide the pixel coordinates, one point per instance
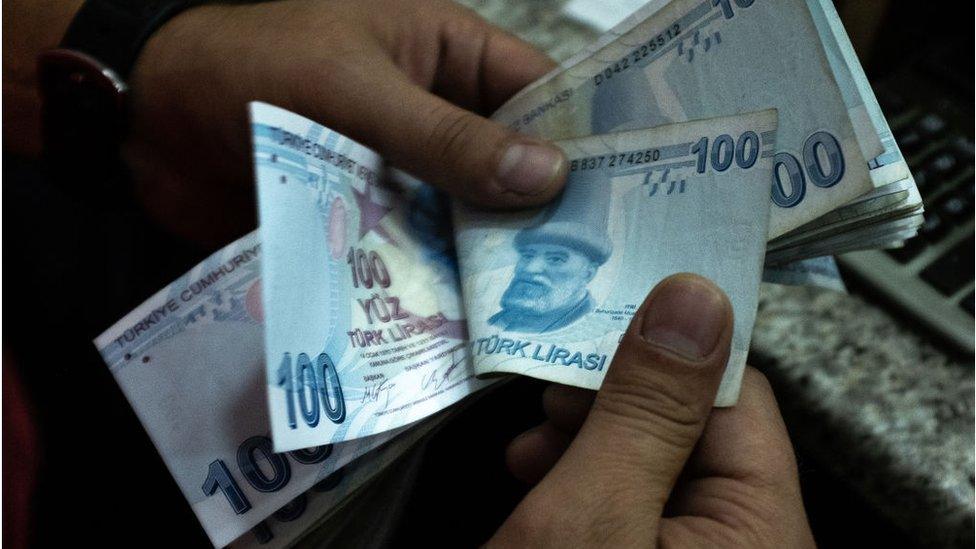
(407, 79)
(647, 461)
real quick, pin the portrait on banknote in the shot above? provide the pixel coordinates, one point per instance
(550, 293)
(557, 260)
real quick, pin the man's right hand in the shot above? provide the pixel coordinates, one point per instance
(646, 460)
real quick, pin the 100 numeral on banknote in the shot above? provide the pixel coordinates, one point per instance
(550, 292)
(682, 60)
(365, 328)
(190, 360)
(366, 269)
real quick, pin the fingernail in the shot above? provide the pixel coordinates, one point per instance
(686, 316)
(529, 168)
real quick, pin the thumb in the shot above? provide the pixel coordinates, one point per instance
(611, 484)
(468, 156)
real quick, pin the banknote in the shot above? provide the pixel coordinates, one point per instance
(301, 522)
(858, 95)
(365, 329)
(692, 59)
(888, 234)
(881, 203)
(370, 516)
(820, 272)
(549, 292)
(304, 513)
(190, 360)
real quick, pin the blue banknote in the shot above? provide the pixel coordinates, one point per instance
(680, 60)
(549, 293)
(307, 512)
(820, 272)
(365, 326)
(190, 360)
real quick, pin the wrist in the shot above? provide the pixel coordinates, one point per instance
(196, 74)
(179, 42)
(84, 81)
(188, 72)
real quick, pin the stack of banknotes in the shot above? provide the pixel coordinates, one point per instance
(281, 376)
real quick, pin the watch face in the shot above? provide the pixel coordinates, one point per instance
(83, 105)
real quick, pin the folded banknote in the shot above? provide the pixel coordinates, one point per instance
(680, 60)
(365, 326)
(308, 511)
(549, 293)
(190, 361)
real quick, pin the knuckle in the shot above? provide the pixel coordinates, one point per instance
(452, 132)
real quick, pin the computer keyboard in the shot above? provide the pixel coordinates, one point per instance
(931, 277)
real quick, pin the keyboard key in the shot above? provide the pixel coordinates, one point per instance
(931, 124)
(955, 208)
(912, 248)
(968, 303)
(944, 165)
(953, 270)
(964, 145)
(925, 130)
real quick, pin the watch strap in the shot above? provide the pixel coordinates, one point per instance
(114, 31)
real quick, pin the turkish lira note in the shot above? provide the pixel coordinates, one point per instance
(550, 292)
(365, 329)
(307, 511)
(692, 59)
(858, 95)
(820, 272)
(190, 360)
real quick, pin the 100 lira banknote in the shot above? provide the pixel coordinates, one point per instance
(306, 513)
(681, 60)
(190, 360)
(365, 327)
(549, 293)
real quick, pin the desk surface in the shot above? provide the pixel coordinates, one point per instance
(875, 403)
(864, 395)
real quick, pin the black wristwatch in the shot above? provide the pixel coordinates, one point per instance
(83, 82)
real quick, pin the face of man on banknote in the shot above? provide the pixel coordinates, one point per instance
(548, 289)
(557, 259)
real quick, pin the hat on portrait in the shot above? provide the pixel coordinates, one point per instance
(578, 220)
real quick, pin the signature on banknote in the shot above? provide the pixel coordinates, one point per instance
(437, 378)
(373, 393)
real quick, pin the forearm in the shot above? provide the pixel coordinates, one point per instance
(29, 28)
